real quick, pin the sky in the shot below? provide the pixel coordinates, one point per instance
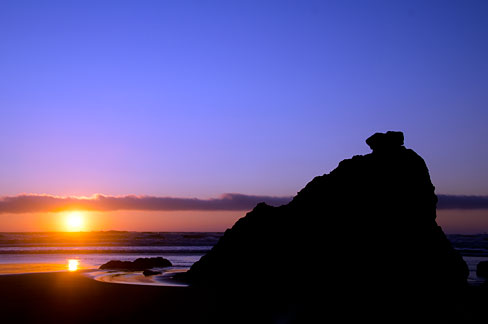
(199, 99)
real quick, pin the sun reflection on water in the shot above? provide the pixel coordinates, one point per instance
(73, 264)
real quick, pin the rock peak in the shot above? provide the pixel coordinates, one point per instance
(381, 142)
(373, 212)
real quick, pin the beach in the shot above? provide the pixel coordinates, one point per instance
(71, 297)
(54, 294)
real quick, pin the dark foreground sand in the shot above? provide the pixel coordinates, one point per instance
(65, 297)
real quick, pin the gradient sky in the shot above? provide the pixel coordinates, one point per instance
(202, 98)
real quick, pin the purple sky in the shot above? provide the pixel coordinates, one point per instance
(201, 98)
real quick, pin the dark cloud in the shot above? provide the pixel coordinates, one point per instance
(31, 203)
(462, 202)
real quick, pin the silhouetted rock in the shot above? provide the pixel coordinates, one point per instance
(371, 222)
(137, 265)
(482, 269)
(150, 272)
(380, 142)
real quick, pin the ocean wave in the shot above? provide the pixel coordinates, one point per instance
(109, 238)
(106, 250)
(470, 245)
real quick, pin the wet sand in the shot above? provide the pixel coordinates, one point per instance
(137, 277)
(71, 297)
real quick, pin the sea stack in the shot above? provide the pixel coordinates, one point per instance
(359, 243)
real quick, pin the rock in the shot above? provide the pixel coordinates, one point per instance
(380, 142)
(482, 269)
(137, 265)
(371, 222)
(148, 272)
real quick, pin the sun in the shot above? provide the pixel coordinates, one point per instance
(74, 221)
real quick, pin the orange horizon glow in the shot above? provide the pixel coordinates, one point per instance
(452, 221)
(138, 221)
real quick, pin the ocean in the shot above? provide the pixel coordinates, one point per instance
(83, 251)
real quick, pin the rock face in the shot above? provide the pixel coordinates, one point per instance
(137, 265)
(482, 269)
(372, 224)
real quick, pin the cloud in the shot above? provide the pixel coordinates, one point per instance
(462, 202)
(33, 203)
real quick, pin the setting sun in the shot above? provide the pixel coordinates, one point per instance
(74, 221)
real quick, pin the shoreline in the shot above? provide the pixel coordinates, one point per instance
(117, 277)
(136, 277)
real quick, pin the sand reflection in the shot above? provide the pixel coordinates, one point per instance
(73, 264)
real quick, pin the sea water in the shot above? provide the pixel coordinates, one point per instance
(40, 252)
(87, 251)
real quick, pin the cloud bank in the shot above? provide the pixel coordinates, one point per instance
(462, 202)
(33, 203)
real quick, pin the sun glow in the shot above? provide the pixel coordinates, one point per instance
(73, 264)
(74, 221)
